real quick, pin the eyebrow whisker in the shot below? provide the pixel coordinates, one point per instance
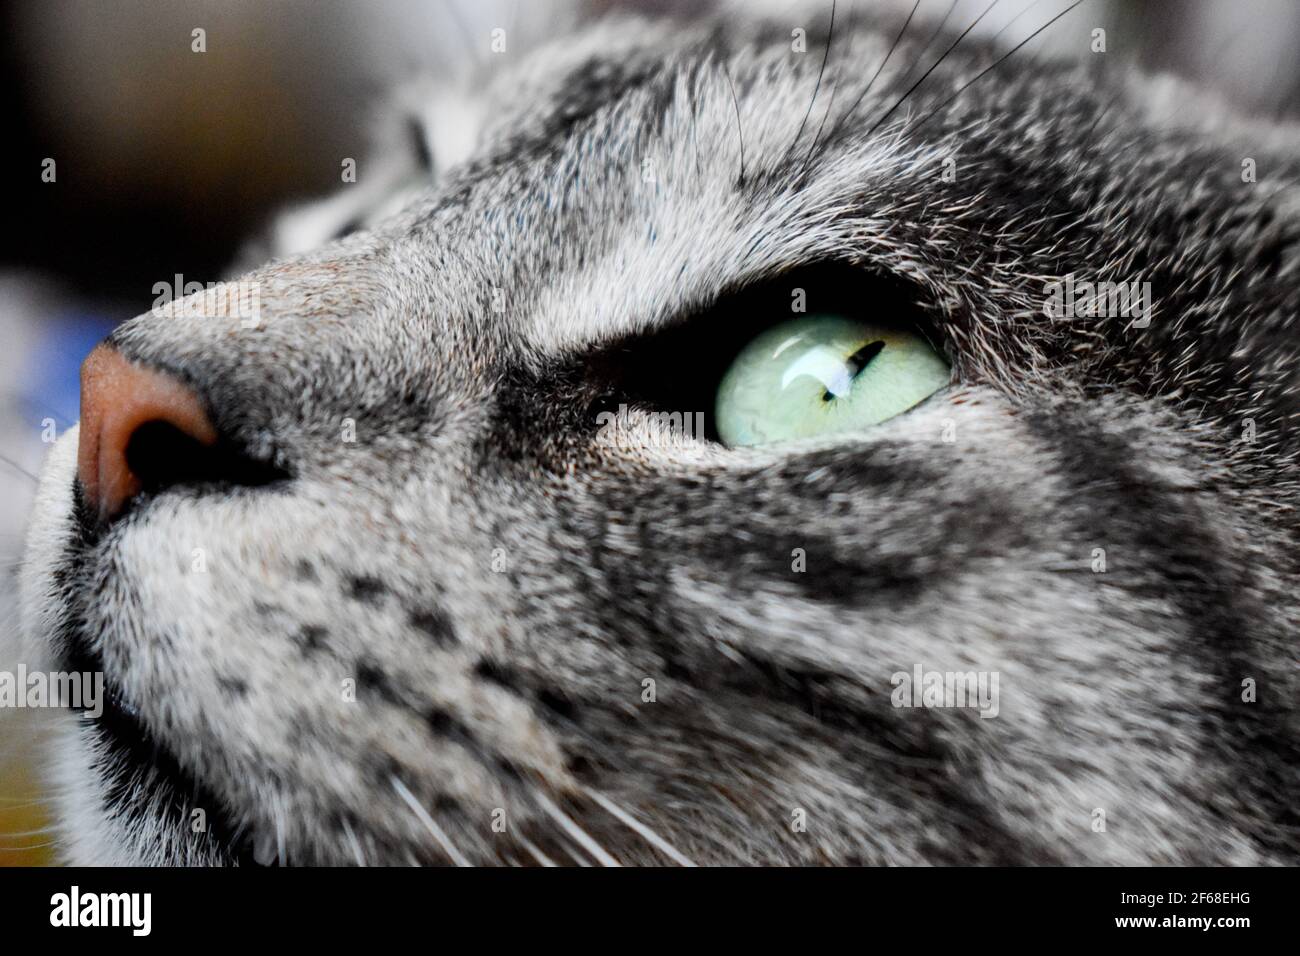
(830, 38)
(989, 69)
(840, 123)
(830, 106)
(740, 133)
(933, 66)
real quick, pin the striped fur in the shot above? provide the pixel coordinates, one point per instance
(500, 586)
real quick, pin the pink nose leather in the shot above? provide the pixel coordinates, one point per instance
(117, 397)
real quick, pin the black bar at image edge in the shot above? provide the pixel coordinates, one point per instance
(1219, 905)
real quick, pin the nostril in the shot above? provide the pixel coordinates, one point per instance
(142, 429)
(161, 455)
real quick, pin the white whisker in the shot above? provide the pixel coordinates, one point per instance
(43, 831)
(19, 803)
(279, 834)
(20, 849)
(575, 831)
(636, 825)
(352, 841)
(436, 831)
(538, 855)
(577, 858)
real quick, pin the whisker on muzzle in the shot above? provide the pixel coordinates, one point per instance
(19, 468)
(429, 823)
(577, 833)
(354, 844)
(638, 827)
(535, 852)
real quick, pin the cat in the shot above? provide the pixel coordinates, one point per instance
(419, 613)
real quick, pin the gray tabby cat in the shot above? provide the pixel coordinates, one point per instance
(413, 604)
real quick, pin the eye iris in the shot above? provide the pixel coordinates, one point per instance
(822, 374)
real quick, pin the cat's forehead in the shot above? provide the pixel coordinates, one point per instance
(623, 177)
(620, 179)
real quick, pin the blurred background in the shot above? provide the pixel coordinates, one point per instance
(166, 160)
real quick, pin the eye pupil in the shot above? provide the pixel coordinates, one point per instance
(857, 362)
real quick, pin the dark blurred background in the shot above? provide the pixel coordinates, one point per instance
(168, 159)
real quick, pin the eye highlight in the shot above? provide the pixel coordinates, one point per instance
(823, 374)
(756, 371)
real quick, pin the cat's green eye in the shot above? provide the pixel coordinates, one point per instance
(821, 374)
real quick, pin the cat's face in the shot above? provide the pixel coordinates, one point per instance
(468, 623)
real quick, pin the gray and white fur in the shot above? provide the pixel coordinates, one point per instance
(499, 586)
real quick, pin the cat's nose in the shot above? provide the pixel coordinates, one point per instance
(140, 428)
